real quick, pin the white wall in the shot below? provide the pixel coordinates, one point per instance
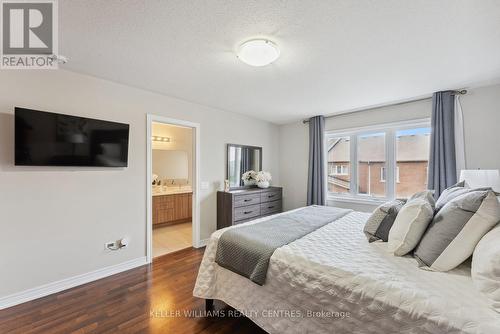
(54, 221)
(293, 157)
(482, 127)
(481, 108)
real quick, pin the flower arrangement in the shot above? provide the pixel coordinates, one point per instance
(263, 179)
(263, 176)
(249, 177)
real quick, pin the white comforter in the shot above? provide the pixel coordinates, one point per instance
(334, 281)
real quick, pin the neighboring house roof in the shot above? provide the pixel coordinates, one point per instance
(372, 148)
(339, 182)
(339, 150)
(413, 147)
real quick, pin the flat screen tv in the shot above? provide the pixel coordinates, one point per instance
(50, 139)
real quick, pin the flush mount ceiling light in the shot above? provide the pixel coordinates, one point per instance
(258, 52)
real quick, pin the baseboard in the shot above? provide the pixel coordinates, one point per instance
(67, 283)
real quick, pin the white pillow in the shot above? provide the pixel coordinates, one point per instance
(486, 267)
(410, 225)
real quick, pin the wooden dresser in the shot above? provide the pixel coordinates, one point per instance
(172, 209)
(238, 206)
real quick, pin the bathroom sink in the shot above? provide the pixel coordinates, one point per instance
(169, 190)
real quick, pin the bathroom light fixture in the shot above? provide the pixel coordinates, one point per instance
(162, 139)
(258, 52)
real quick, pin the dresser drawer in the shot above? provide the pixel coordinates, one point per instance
(246, 212)
(244, 200)
(270, 207)
(269, 196)
(246, 204)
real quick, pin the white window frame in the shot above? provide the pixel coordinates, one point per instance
(389, 129)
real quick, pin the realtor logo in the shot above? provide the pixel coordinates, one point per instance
(29, 34)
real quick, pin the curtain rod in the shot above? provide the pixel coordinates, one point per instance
(455, 92)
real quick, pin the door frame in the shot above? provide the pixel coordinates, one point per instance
(195, 182)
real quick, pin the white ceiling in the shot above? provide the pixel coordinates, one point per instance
(335, 55)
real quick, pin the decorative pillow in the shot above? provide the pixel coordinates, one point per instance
(380, 222)
(450, 193)
(427, 195)
(411, 223)
(456, 229)
(454, 191)
(485, 269)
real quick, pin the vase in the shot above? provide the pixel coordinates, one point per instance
(249, 182)
(263, 184)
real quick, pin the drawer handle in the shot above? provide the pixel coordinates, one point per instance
(270, 196)
(247, 212)
(247, 200)
(270, 207)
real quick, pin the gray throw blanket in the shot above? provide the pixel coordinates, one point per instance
(246, 250)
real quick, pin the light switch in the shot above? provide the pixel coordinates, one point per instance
(204, 185)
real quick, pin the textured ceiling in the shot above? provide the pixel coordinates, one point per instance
(335, 55)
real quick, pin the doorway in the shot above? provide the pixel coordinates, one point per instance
(172, 185)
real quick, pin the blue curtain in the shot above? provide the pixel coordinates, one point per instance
(316, 192)
(442, 160)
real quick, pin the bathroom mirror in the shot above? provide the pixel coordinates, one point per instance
(170, 164)
(242, 158)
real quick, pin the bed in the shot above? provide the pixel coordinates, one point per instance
(333, 281)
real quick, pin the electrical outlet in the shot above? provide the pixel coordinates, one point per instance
(116, 245)
(109, 245)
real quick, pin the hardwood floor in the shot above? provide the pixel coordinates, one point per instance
(142, 300)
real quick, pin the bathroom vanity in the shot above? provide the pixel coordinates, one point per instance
(172, 206)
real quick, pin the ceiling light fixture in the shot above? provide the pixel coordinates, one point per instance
(258, 52)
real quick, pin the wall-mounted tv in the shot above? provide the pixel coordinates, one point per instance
(50, 139)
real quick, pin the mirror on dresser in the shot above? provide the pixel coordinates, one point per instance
(241, 204)
(242, 158)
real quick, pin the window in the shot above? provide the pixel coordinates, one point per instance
(383, 173)
(371, 160)
(389, 161)
(338, 170)
(412, 157)
(338, 164)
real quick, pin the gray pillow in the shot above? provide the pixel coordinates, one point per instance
(450, 193)
(456, 229)
(426, 195)
(453, 192)
(377, 227)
